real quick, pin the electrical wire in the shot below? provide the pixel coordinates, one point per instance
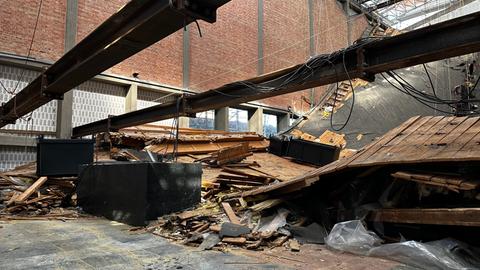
(335, 99)
(430, 79)
(20, 77)
(31, 45)
(415, 97)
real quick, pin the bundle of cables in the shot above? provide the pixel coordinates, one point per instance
(429, 100)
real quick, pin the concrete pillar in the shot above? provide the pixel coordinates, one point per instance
(186, 58)
(283, 122)
(65, 106)
(131, 98)
(183, 122)
(221, 119)
(349, 24)
(255, 120)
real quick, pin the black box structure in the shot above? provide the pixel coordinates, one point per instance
(61, 157)
(135, 192)
(278, 146)
(312, 152)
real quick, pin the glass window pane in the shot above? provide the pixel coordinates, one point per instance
(237, 120)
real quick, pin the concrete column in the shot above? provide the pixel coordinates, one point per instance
(283, 122)
(131, 98)
(255, 120)
(183, 122)
(221, 119)
(65, 106)
(186, 58)
(349, 24)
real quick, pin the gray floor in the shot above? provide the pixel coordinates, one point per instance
(101, 244)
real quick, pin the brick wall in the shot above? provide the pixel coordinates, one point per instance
(161, 62)
(228, 50)
(17, 21)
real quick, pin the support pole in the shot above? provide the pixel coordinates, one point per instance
(131, 98)
(183, 122)
(221, 119)
(283, 122)
(255, 120)
(65, 106)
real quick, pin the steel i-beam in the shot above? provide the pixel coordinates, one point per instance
(136, 26)
(448, 39)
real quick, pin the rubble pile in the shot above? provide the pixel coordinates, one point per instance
(224, 219)
(25, 195)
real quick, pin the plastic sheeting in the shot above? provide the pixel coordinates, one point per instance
(352, 237)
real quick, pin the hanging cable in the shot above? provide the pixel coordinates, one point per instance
(335, 99)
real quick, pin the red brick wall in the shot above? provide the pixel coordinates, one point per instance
(161, 62)
(286, 43)
(17, 21)
(287, 26)
(228, 50)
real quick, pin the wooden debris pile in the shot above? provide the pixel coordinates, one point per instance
(22, 193)
(451, 182)
(423, 173)
(160, 140)
(224, 219)
(224, 224)
(227, 155)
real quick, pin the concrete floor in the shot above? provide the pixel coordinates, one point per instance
(102, 244)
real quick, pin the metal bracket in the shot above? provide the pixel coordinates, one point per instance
(362, 64)
(44, 86)
(109, 124)
(197, 9)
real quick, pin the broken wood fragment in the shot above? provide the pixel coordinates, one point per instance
(234, 240)
(32, 189)
(433, 216)
(294, 245)
(230, 213)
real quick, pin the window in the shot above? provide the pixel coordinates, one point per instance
(204, 120)
(237, 120)
(269, 125)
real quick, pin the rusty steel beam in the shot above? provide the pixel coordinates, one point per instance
(448, 39)
(135, 27)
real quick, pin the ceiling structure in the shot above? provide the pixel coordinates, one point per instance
(403, 14)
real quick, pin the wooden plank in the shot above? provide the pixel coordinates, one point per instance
(410, 137)
(411, 131)
(434, 216)
(240, 178)
(470, 151)
(230, 213)
(234, 240)
(424, 149)
(238, 182)
(446, 148)
(374, 147)
(30, 190)
(410, 151)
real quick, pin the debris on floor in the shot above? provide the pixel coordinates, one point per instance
(422, 173)
(25, 195)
